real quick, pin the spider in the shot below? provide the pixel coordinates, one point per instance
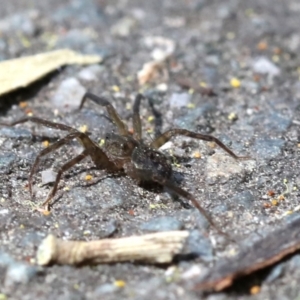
(122, 152)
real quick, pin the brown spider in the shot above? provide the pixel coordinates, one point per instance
(122, 152)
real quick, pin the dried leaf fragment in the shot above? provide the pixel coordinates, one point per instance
(21, 72)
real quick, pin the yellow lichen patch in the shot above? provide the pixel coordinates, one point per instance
(281, 197)
(150, 118)
(190, 105)
(120, 283)
(29, 113)
(263, 45)
(83, 128)
(276, 58)
(235, 82)
(46, 212)
(22, 226)
(115, 88)
(45, 143)
(102, 142)
(203, 84)
(128, 106)
(66, 188)
(3, 296)
(197, 154)
(255, 289)
(88, 177)
(274, 202)
(23, 104)
(232, 116)
(157, 206)
(230, 35)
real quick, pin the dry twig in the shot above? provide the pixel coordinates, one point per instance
(150, 248)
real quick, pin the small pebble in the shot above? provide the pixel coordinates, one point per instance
(164, 223)
(19, 273)
(68, 95)
(6, 161)
(90, 73)
(245, 199)
(220, 166)
(123, 27)
(178, 100)
(189, 120)
(263, 65)
(48, 176)
(198, 244)
(20, 22)
(267, 148)
(15, 133)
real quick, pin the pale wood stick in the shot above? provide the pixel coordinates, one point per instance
(156, 248)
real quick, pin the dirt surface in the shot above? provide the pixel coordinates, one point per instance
(247, 52)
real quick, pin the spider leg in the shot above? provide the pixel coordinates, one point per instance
(179, 191)
(96, 153)
(63, 169)
(48, 150)
(40, 121)
(165, 137)
(136, 120)
(123, 130)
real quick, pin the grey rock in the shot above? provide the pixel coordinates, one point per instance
(5, 259)
(244, 198)
(189, 120)
(80, 41)
(178, 100)
(272, 122)
(81, 197)
(68, 95)
(20, 22)
(164, 223)
(275, 273)
(294, 263)
(221, 167)
(48, 176)
(220, 208)
(123, 27)
(15, 133)
(198, 244)
(6, 161)
(112, 195)
(267, 148)
(83, 11)
(263, 65)
(90, 73)
(104, 289)
(19, 273)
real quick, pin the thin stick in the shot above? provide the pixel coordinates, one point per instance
(157, 248)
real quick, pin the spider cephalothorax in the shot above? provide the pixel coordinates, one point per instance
(124, 151)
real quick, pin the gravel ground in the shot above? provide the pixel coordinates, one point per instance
(247, 52)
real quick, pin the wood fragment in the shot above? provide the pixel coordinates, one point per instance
(263, 253)
(20, 72)
(157, 248)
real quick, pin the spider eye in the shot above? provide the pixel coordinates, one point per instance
(124, 146)
(107, 137)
